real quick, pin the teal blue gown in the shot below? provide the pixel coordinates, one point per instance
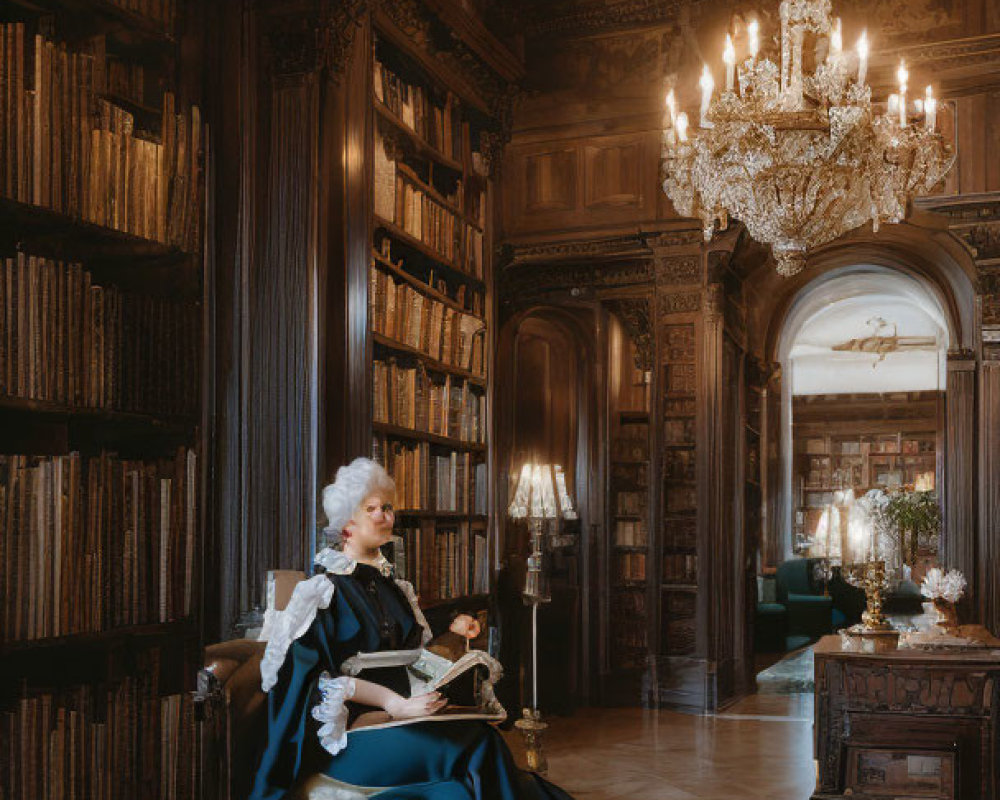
(440, 760)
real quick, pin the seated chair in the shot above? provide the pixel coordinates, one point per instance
(233, 707)
(809, 611)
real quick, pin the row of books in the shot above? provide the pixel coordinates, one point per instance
(630, 643)
(100, 743)
(65, 148)
(93, 544)
(680, 465)
(630, 533)
(680, 499)
(680, 568)
(65, 340)
(632, 443)
(630, 503)
(878, 445)
(437, 123)
(452, 482)
(409, 398)
(468, 299)
(442, 561)
(402, 313)
(628, 602)
(631, 566)
(426, 219)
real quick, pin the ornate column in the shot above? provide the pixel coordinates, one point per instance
(959, 501)
(988, 539)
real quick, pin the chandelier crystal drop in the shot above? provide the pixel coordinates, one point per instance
(801, 159)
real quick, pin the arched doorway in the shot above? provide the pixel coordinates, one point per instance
(546, 401)
(909, 280)
(863, 355)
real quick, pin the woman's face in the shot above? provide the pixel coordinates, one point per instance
(371, 524)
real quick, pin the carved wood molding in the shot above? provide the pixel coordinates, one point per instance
(305, 38)
(635, 316)
(674, 270)
(522, 284)
(668, 303)
(495, 89)
(591, 249)
(603, 16)
(976, 51)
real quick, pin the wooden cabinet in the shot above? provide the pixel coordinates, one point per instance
(907, 723)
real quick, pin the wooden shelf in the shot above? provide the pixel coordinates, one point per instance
(465, 600)
(395, 431)
(87, 655)
(427, 63)
(82, 19)
(679, 445)
(631, 548)
(630, 583)
(111, 256)
(667, 586)
(411, 175)
(432, 364)
(457, 515)
(633, 416)
(54, 411)
(401, 236)
(422, 287)
(153, 117)
(420, 145)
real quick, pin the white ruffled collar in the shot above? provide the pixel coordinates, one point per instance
(337, 562)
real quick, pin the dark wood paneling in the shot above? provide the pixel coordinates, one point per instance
(611, 175)
(988, 543)
(550, 181)
(958, 538)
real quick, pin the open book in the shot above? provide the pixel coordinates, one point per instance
(467, 683)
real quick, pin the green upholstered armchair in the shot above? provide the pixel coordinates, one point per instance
(810, 612)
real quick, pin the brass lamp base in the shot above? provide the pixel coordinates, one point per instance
(532, 727)
(869, 640)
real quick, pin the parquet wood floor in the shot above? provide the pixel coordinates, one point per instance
(759, 749)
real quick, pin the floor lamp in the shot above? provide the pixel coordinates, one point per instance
(540, 496)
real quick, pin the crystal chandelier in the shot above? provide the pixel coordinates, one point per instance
(801, 159)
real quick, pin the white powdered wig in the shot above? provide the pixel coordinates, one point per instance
(354, 482)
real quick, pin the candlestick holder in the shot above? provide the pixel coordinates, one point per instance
(874, 630)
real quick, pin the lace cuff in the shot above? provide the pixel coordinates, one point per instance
(331, 711)
(290, 624)
(411, 595)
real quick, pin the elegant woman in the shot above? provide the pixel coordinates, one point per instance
(319, 744)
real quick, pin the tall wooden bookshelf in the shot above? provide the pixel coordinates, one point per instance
(678, 542)
(628, 555)
(430, 317)
(101, 431)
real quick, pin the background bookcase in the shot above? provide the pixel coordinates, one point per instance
(628, 509)
(678, 545)
(430, 317)
(860, 442)
(101, 433)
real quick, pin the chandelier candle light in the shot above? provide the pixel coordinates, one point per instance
(800, 159)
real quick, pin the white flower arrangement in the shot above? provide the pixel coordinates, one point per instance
(948, 586)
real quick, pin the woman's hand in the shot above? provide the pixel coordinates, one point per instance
(423, 705)
(466, 626)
